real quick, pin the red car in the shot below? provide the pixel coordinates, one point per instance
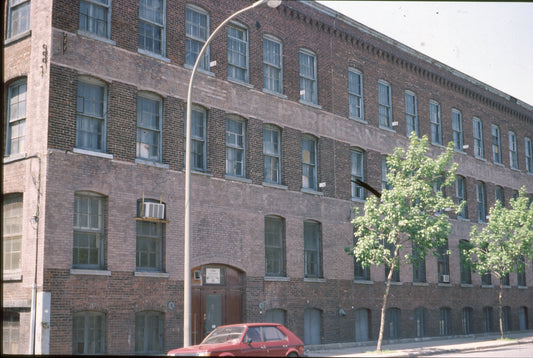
(246, 339)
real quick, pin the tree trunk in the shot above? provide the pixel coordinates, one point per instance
(500, 307)
(385, 297)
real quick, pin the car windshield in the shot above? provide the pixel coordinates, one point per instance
(223, 334)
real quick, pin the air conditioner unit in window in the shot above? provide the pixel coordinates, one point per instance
(153, 211)
(445, 278)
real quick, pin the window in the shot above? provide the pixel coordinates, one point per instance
(480, 196)
(16, 114)
(392, 317)
(10, 335)
(274, 246)
(271, 154)
(309, 176)
(521, 274)
(355, 94)
(196, 34)
(149, 254)
(478, 138)
(89, 332)
(445, 320)
(237, 53)
(498, 194)
(312, 250)
(149, 125)
(460, 195)
(384, 171)
(89, 234)
(357, 164)
(198, 138)
(396, 274)
(466, 273)
(457, 127)
(496, 154)
(19, 17)
(308, 77)
(488, 319)
(421, 314)
(360, 273)
(411, 113)
(466, 320)
(443, 264)
(95, 17)
(12, 233)
(505, 280)
(506, 318)
(385, 105)
(528, 155)
(419, 266)
(272, 64)
(91, 117)
(486, 279)
(235, 147)
(513, 151)
(149, 332)
(152, 26)
(435, 122)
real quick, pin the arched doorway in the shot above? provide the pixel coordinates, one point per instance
(217, 298)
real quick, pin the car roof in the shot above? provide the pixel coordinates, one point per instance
(251, 324)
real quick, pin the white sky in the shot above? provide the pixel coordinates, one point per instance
(489, 41)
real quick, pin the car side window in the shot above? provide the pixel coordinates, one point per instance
(273, 334)
(252, 335)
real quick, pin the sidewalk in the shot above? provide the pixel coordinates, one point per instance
(419, 347)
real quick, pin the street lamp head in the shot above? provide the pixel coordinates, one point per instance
(273, 3)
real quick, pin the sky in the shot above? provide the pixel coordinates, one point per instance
(489, 41)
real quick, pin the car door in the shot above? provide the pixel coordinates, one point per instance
(252, 343)
(275, 341)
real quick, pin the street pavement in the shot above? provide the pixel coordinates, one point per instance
(419, 347)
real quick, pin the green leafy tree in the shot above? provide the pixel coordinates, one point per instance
(414, 210)
(503, 244)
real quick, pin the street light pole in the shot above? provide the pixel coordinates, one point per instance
(187, 240)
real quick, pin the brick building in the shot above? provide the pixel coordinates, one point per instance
(290, 105)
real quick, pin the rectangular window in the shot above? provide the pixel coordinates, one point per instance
(149, 114)
(480, 194)
(12, 233)
(89, 332)
(460, 195)
(466, 274)
(149, 248)
(271, 154)
(88, 247)
(355, 94)
(384, 171)
(498, 194)
(274, 246)
(396, 273)
(272, 65)
(445, 316)
(312, 250)
(457, 127)
(196, 34)
(513, 151)
(435, 122)
(10, 331)
(237, 53)
(496, 153)
(152, 26)
(357, 164)
(419, 266)
(529, 155)
(308, 77)
(95, 17)
(385, 105)
(309, 176)
(411, 113)
(19, 17)
(235, 147)
(90, 133)
(198, 138)
(478, 138)
(149, 332)
(443, 264)
(360, 273)
(16, 113)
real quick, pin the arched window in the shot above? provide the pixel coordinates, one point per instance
(421, 321)
(89, 333)
(149, 332)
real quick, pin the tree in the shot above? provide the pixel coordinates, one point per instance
(503, 244)
(413, 210)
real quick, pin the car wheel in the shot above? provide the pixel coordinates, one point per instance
(293, 354)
